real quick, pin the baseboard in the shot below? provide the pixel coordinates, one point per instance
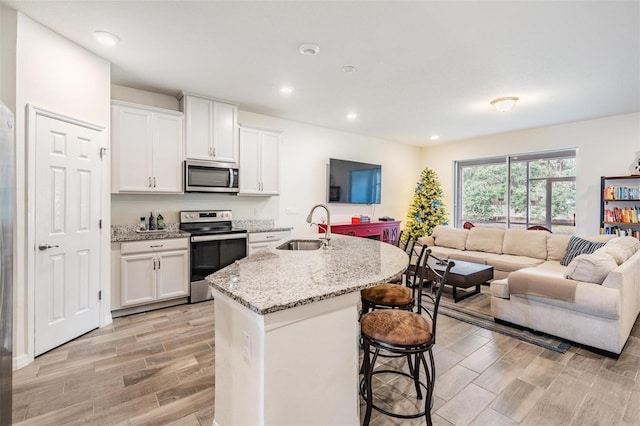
(21, 361)
(150, 307)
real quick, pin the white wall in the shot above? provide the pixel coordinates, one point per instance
(55, 74)
(606, 147)
(304, 153)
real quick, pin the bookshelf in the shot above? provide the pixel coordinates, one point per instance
(620, 205)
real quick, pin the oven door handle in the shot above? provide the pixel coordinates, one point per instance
(231, 178)
(202, 238)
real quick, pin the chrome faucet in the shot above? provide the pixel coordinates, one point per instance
(327, 232)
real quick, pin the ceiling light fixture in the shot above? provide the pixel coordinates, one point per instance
(309, 49)
(286, 90)
(352, 116)
(434, 137)
(504, 104)
(106, 38)
(349, 68)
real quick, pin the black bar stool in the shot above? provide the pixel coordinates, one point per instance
(404, 333)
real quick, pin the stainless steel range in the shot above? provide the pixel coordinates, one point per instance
(215, 243)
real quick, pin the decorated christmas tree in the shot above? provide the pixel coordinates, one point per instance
(426, 210)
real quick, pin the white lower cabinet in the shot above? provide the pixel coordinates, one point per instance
(261, 240)
(152, 271)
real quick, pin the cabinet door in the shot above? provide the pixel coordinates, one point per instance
(199, 128)
(249, 161)
(225, 141)
(270, 164)
(132, 150)
(167, 153)
(137, 279)
(173, 274)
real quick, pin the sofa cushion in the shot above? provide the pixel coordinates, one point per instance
(446, 236)
(542, 283)
(443, 252)
(557, 246)
(579, 246)
(591, 268)
(510, 263)
(470, 256)
(520, 242)
(488, 240)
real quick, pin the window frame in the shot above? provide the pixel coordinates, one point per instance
(508, 160)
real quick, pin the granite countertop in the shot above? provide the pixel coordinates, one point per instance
(272, 229)
(259, 225)
(273, 280)
(124, 233)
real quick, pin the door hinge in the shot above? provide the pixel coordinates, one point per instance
(100, 295)
(100, 224)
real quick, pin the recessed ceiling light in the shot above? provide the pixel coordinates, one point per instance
(286, 90)
(349, 68)
(352, 116)
(309, 49)
(504, 104)
(106, 38)
(434, 137)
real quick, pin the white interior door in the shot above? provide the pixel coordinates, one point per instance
(67, 231)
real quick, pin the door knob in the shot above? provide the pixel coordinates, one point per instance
(45, 246)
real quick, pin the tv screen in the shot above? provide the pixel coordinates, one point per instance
(354, 182)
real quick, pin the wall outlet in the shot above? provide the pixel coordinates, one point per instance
(246, 347)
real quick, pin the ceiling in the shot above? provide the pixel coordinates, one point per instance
(423, 68)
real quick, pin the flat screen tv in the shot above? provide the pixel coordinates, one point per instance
(354, 182)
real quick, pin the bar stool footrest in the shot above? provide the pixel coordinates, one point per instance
(389, 413)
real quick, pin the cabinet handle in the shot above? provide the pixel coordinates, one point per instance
(156, 245)
(149, 181)
(154, 181)
(154, 264)
(214, 151)
(210, 152)
(159, 264)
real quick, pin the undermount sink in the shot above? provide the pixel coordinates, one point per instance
(300, 245)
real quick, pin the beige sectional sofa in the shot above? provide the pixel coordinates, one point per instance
(593, 300)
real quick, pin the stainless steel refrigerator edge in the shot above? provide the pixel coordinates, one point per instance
(7, 189)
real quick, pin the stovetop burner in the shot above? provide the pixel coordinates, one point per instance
(207, 222)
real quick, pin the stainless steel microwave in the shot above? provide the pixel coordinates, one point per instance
(209, 176)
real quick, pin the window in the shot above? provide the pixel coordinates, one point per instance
(518, 191)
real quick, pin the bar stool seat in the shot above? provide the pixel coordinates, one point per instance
(389, 295)
(396, 327)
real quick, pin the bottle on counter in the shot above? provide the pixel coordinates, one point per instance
(142, 225)
(160, 220)
(152, 222)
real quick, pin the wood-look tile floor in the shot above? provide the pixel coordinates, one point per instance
(158, 368)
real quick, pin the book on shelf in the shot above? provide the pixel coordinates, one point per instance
(622, 214)
(612, 193)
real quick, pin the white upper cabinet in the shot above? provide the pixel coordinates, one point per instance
(210, 129)
(148, 149)
(259, 162)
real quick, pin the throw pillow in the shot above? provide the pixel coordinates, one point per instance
(591, 268)
(618, 253)
(578, 246)
(629, 244)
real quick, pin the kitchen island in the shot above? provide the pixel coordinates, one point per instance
(287, 333)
